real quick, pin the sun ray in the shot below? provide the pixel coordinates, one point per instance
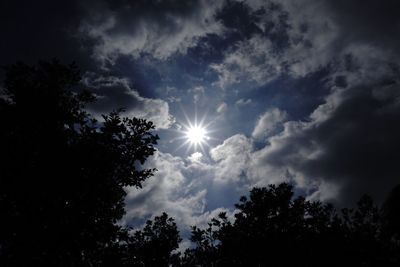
(194, 132)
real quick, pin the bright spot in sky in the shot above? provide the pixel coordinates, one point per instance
(196, 135)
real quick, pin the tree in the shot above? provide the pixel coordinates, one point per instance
(273, 228)
(63, 173)
(391, 214)
(391, 223)
(153, 245)
(205, 252)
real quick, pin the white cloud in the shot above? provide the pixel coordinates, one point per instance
(243, 102)
(195, 157)
(232, 157)
(317, 35)
(268, 122)
(163, 192)
(254, 60)
(180, 188)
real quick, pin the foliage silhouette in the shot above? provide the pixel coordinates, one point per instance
(153, 245)
(272, 228)
(391, 214)
(63, 173)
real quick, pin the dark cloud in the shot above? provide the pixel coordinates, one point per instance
(373, 21)
(157, 28)
(351, 144)
(360, 140)
(114, 93)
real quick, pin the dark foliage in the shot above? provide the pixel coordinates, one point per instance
(272, 228)
(153, 245)
(62, 173)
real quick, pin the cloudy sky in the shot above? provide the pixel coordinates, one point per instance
(304, 91)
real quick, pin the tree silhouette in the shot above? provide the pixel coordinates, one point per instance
(63, 173)
(153, 245)
(272, 228)
(391, 214)
(391, 223)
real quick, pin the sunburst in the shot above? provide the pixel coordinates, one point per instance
(195, 134)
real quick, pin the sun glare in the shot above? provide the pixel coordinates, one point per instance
(196, 135)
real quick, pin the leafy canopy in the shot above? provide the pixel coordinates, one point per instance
(63, 173)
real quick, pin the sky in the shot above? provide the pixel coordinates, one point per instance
(299, 91)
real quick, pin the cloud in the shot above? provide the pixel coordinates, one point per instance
(163, 192)
(243, 102)
(292, 40)
(342, 31)
(195, 157)
(268, 122)
(254, 60)
(232, 156)
(348, 147)
(198, 94)
(114, 93)
(186, 190)
(156, 28)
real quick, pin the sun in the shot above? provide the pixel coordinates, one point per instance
(196, 134)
